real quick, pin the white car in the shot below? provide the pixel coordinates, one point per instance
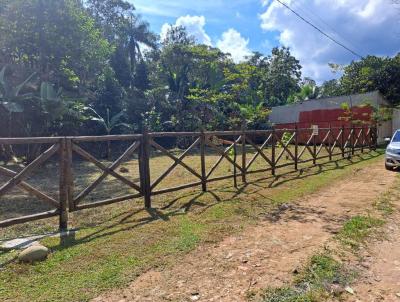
(392, 154)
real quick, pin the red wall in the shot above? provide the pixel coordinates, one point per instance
(325, 118)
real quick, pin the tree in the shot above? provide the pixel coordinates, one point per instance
(331, 88)
(373, 73)
(308, 91)
(282, 76)
(59, 42)
(111, 16)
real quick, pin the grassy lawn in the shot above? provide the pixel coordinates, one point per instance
(117, 243)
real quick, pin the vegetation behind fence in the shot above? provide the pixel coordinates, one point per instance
(274, 148)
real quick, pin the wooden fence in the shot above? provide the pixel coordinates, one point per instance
(229, 145)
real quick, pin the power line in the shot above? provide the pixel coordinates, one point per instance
(318, 29)
(308, 10)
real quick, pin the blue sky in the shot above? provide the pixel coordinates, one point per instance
(242, 26)
(220, 16)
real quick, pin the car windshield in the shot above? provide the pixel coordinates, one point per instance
(396, 137)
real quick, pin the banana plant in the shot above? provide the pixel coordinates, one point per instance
(109, 123)
(10, 99)
(51, 102)
(11, 95)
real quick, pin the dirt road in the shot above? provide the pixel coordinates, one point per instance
(266, 254)
(380, 277)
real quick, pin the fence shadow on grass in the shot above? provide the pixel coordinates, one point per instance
(127, 220)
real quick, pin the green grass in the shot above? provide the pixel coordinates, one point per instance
(384, 204)
(313, 282)
(356, 230)
(131, 240)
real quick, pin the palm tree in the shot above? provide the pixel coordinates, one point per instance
(138, 34)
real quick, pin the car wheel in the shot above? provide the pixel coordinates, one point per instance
(390, 168)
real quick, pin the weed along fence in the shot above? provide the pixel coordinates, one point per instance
(66, 172)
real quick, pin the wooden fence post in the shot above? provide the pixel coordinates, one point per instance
(362, 136)
(314, 148)
(352, 140)
(244, 154)
(144, 170)
(234, 166)
(203, 161)
(63, 188)
(374, 137)
(273, 151)
(329, 142)
(342, 141)
(69, 175)
(296, 146)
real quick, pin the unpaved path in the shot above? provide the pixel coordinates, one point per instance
(380, 280)
(263, 255)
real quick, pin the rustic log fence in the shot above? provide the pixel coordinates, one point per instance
(293, 144)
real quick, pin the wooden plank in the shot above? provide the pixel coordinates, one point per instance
(234, 166)
(29, 169)
(93, 160)
(28, 140)
(106, 172)
(177, 188)
(28, 188)
(105, 138)
(224, 133)
(296, 147)
(322, 145)
(335, 141)
(180, 158)
(69, 174)
(203, 161)
(357, 137)
(306, 147)
(223, 153)
(219, 178)
(173, 157)
(273, 151)
(259, 151)
(285, 148)
(222, 157)
(342, 147)
(173, 134)
(145, 158)
(244, 160)
(314, 150)
(106, 201)
(259, 171)
(33, 217)
(63, 190)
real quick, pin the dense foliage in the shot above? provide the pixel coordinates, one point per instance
(95, 67)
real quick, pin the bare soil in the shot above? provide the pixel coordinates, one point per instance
(267, 254)
(380, 266)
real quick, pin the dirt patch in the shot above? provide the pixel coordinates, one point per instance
(380, 266)
(263, 255)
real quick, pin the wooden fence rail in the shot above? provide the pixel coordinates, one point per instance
(296, 145)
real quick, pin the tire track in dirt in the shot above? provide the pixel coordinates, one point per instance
(262, 255)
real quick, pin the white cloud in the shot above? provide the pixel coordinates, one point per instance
(232, 42)
(366, 26)
(194, 26)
